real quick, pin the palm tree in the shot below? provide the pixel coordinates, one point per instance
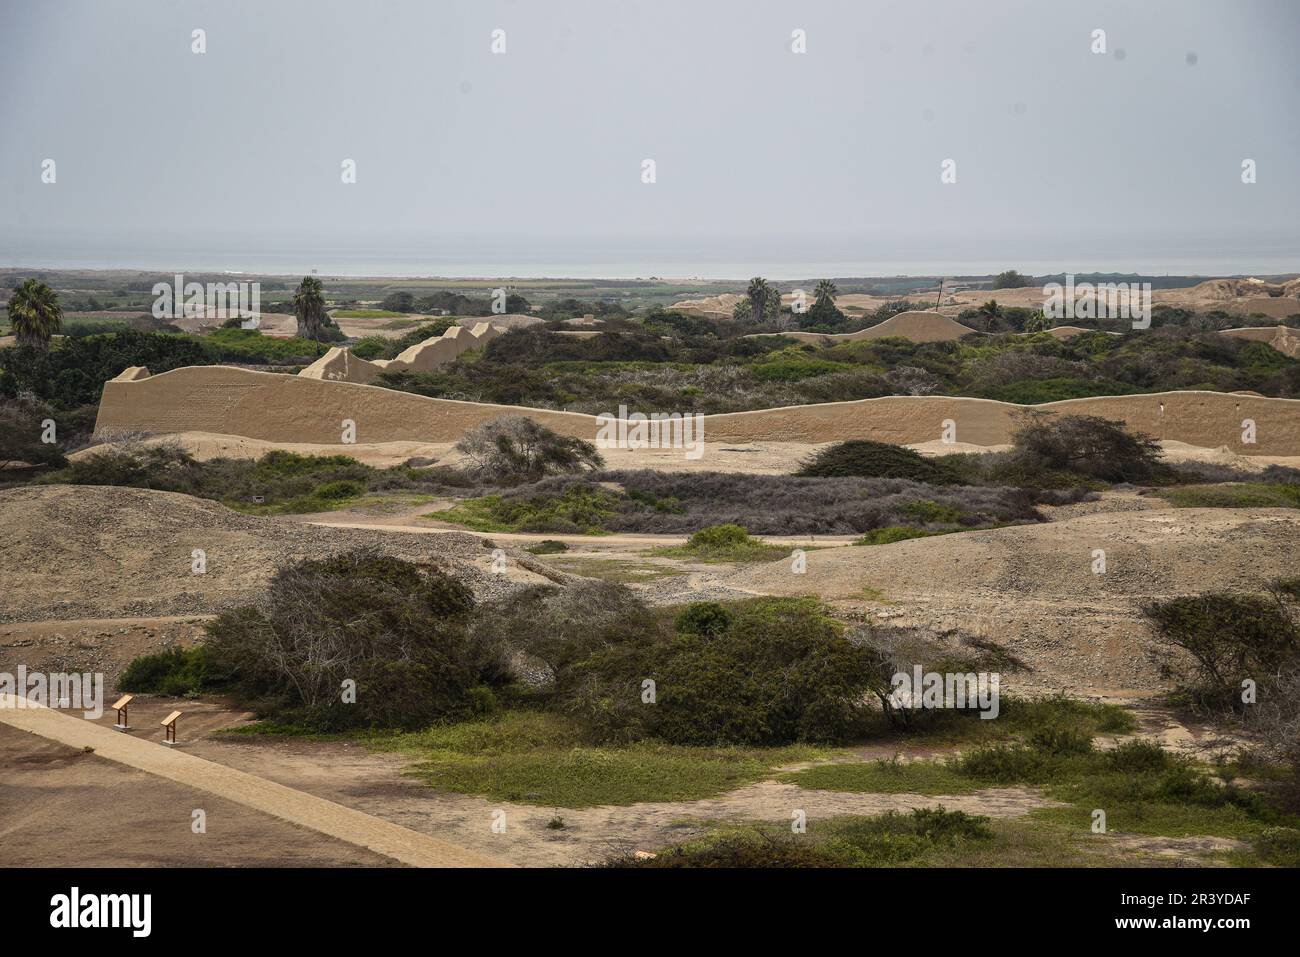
(309, 307)
(35, 314)
(758, 293)
(826, 292)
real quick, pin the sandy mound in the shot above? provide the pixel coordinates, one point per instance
(915, 326)
(1031, 588)
(76, 551)
(211, 445)
(710, 307)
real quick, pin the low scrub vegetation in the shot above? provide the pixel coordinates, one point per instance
(724, 543)
(515, 448)
(1284, 494)
(543, 758)
(892, 839)
(359, 640)
(647, 502)
(862, 459)
(277, 483)
(707, 366)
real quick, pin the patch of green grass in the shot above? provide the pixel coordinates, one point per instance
(1158, 819)
(1233, 495)
(884, 777)
(615, 570)
(580, 510)
(896, 533)
(547, 546)
(540, 758)
(724, 543)
(892, 839)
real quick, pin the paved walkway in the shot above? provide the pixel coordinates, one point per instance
(297, 807)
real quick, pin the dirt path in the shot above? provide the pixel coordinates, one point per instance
(592, 541)
(297, 807)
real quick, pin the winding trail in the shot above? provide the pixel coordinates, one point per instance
(297, 807)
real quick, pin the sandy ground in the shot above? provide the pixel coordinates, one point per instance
(287, 804)
(1017, 585)
(1032, 589)
(752, 458)
(75, 552)
(62, 807)
(148, 821)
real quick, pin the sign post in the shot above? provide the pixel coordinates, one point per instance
(120, 706)
(169, 723)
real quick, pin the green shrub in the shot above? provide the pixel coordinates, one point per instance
(887, 840)
(514, 447)
(399, 632)
(176, 672)
(932, 513)
(339, 490)
(547, 546)
(724, 543)
(1086, 445)
(719, 537)
(1229, 638)
(893, 533)
(1138, 756)
(1004, 764)
(781, 672)
(861, 458)
(1279, 846)
(706, 618)
(1234, 495)
(579, 510)
(1060, 740)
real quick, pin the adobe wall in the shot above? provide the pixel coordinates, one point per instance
(287, 408)
(340, 365)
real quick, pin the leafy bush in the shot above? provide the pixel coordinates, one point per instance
(706, 618)
(780, 672)
(1086, 445)
(547, 546)
(73, 373)
(177, 672)
(399, 632)
(1279, 846)
(580, 510)
(761, 672)
(893, 533)
(21, 428)
(277, 483)
(514, 447)
(724, 543)
(1004, 764)
(1220, 640)
(861, 458)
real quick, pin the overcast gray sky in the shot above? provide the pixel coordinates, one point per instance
(752, 142)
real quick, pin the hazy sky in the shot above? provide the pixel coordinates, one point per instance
(751, 141)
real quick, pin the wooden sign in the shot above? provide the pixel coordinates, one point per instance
(120, 706)
(169, 723)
